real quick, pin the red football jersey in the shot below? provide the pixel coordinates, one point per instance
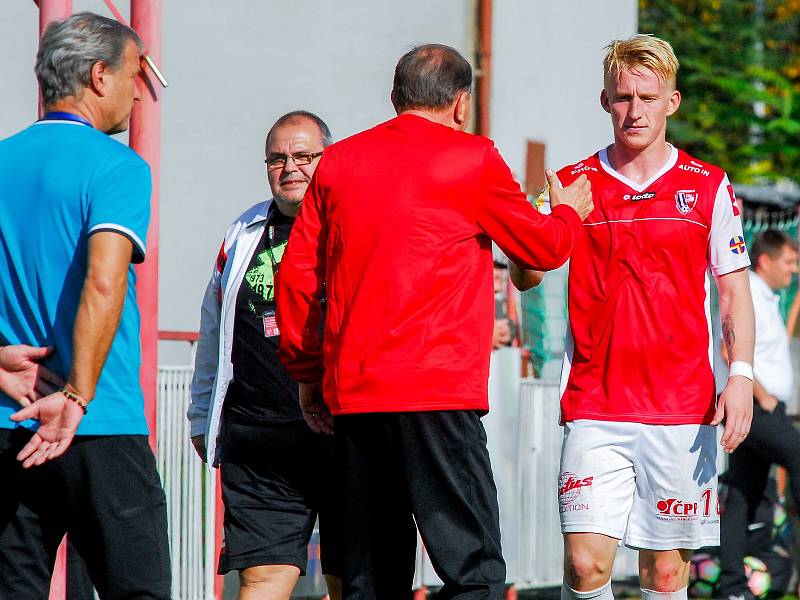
(639, 337)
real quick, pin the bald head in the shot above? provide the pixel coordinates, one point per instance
(297, 117)
(430, 77)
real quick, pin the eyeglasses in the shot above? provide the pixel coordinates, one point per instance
(278, 161)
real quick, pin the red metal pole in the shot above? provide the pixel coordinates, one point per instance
(145, 138)
(219, 518)
(484, 79)
(52, 10)
(49, 11)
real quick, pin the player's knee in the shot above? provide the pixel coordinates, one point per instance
(584, 570)
(665, 572)
(667, 578)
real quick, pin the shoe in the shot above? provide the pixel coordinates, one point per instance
(748, 595)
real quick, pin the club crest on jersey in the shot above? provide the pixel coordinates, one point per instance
(737, 245)
(685, 201)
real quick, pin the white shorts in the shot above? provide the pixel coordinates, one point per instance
(652, 486)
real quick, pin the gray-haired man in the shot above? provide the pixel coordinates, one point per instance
(74, 210)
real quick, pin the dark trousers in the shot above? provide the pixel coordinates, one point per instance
(431, 468)
(106, 494)
(34, 560)
(772, 439)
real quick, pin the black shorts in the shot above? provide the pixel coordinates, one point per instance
(276, 479)
(105, 493)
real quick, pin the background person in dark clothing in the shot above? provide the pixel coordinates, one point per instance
(772, 438)
(276, 474)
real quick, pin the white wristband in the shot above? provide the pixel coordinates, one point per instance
(739, 367)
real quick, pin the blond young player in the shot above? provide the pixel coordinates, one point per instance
(638, 403)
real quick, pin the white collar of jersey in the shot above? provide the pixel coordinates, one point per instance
(639, 187)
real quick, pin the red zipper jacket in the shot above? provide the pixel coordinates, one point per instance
(398, 222)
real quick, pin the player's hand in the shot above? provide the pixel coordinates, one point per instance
(735, 406)
(315, 411)
(768, 403)
(58, 419)
(22, 377)
(501, 335)
(577, 194)
(199, 443)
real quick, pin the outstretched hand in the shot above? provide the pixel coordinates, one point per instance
(315, 411)
(22, 377)
(59, 418)
(577, 194)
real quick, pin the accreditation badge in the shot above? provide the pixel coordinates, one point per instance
(270, 324)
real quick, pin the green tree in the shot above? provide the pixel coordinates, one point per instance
(740, 79)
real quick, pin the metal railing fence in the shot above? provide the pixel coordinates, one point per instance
(190, 489)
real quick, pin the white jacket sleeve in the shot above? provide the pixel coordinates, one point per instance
(207, 356)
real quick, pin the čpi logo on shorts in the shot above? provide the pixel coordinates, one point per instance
(569, 489)
(674, 509)
(685, 201)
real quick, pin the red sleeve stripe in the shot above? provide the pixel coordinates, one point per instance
(221, 258)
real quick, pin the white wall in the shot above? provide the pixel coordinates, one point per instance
(234, 67)
(232, 72)
(19, 28)
(547, 76)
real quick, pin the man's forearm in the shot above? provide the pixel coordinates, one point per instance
(96, 324)
(759, 392)
(736, 317)
(99, 310)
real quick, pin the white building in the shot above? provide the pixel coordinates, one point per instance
(235, 66)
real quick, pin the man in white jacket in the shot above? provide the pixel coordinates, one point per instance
(276, 474)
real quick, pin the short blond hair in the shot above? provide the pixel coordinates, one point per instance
(642, 51)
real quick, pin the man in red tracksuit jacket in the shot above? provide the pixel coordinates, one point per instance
(397, 223)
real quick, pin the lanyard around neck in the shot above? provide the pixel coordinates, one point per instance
(65, 116)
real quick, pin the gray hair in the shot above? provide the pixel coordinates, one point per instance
(69, 48)
(299, 115)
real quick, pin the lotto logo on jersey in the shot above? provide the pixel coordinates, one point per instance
(570, 487)
(685, 201)
(637, 197)
(737, 245)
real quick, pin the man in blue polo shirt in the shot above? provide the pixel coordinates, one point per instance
(74, 210)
